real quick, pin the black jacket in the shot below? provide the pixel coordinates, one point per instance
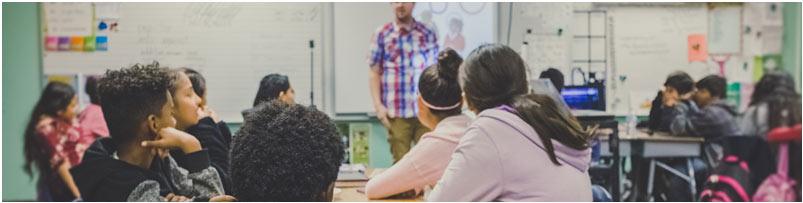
(660, 118)
(216, 138)
(102, 177)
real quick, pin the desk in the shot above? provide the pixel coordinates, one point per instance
(659, 145)
(349, 193)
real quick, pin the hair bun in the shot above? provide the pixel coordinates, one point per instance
(448, 63)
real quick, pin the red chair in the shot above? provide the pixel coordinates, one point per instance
(780, 186)
(784, 134)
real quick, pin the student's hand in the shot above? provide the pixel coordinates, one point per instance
(175, 198)
(223, 198)
(211, 113)
(202, 113)
(670, 97)
(171, 138)
(162, 153)
(669, 101)
(382, 115)
(687, 96)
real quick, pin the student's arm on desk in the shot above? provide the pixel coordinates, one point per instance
(698, 122)
(401, 177)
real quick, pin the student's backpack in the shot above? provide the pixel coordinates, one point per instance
(729, 182)
(779, 187)
(743, 164)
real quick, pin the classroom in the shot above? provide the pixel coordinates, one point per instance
(401, 101)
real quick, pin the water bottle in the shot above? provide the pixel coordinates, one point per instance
(632, 121)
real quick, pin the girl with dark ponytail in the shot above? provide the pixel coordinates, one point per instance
(439, 108)
(53, 143)
(521, 147)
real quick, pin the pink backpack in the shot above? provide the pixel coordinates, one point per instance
(779, 187)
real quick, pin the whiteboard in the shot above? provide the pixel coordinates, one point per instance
(549, 45)
(232, 44)
(648, 43)
(354, 23)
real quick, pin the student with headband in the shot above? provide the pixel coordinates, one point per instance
(440, 108)
(521, 147)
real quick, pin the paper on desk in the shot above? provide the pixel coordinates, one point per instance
(349, 172)
(376, 172)
(352, 167)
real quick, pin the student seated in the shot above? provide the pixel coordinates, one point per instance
(677, 88)
(554, 76)
(52, 143)
(194, 117)
(133, 164)
(520, 147)
(439, 107)
(199, 87)
(709, 116)
(285, 152)
(772, 95)
(273, 86)
(91, 118)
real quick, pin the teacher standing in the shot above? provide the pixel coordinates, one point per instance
(400, 51)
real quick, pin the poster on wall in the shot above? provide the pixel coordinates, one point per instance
(68, 19)
(724, 28)
(697, 48)
(461, 26)
(359, 142)
(71, 27)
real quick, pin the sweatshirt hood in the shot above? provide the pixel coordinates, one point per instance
(579, 159)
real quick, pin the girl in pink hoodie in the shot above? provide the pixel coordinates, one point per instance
(520, 147)
(439, 108)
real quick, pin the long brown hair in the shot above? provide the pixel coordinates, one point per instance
(55, 97)
(777, 89)
(494, 75)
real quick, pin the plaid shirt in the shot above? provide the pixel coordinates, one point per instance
(402, 55)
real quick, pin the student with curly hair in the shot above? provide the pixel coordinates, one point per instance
(285, 152)
(133, 163)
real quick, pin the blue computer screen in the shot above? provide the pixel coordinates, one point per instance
(580, 97)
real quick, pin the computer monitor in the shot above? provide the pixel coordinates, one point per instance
(545, 86)
(584, 97)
